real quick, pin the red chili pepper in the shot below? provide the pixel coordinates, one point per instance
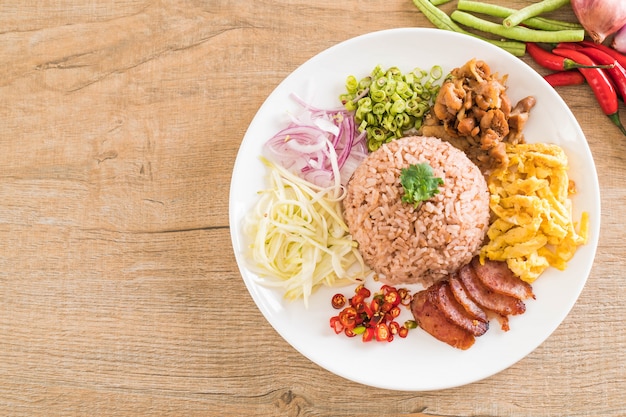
(403, 332)
(394, 327)
(621, 58)
(336, 325)
(368, 334)
(385, 307)
(362, 291)
(405, 296)
(351, 332)
(375, 319)
(348, 317)
(356, 300)
(565, 78)
(616, 72)
(392, 297)
(600, 84)
(569, 45)
(376, 304)
(551, 61)
(382, 332)
(338, 301)
(365, 310)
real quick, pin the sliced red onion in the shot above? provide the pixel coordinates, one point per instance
(304, 145)
(619, 40)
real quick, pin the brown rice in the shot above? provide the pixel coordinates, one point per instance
(404, 244)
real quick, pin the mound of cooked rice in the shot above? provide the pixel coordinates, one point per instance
(404, 244)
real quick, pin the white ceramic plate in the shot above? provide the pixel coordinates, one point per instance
(419, 362)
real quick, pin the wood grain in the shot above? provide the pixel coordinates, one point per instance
(119, 291)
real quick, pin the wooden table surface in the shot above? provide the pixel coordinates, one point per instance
(119, 291)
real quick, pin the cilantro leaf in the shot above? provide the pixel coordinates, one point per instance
(419, 183)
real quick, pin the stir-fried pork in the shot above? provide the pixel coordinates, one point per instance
(474, 113)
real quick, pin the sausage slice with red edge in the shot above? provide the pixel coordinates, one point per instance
(497, 276)
(502, 304)
(461, 295)
(434, 322)
(441, 295)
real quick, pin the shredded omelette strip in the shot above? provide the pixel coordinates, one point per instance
(530, 200)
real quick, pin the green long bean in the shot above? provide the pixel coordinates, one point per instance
(441, 20)
(533, 10)
(495, 10)
(518, 33)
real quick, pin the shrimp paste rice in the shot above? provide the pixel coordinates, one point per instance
(408, 245)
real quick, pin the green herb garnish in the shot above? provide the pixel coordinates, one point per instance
(419, 183)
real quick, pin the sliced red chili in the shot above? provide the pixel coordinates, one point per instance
(356, 300)
(405, 296)
(393, 297)
(382, 332)
(336, 325)
(350, 332)
(375, 319)
(348, 317)
(359, 288)
(403, 332)
(394, 327)
(385, 288)
(363, 292)
(361, 308)
(338, 301)
(366, 311)
(368, 334)
(376, 304)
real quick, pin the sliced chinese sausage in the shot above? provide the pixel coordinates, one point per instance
(498, 277)
(499, 303)
(434, 322)
(442, 297)
(463, 298)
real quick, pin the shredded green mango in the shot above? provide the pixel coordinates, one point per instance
(299, 238)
